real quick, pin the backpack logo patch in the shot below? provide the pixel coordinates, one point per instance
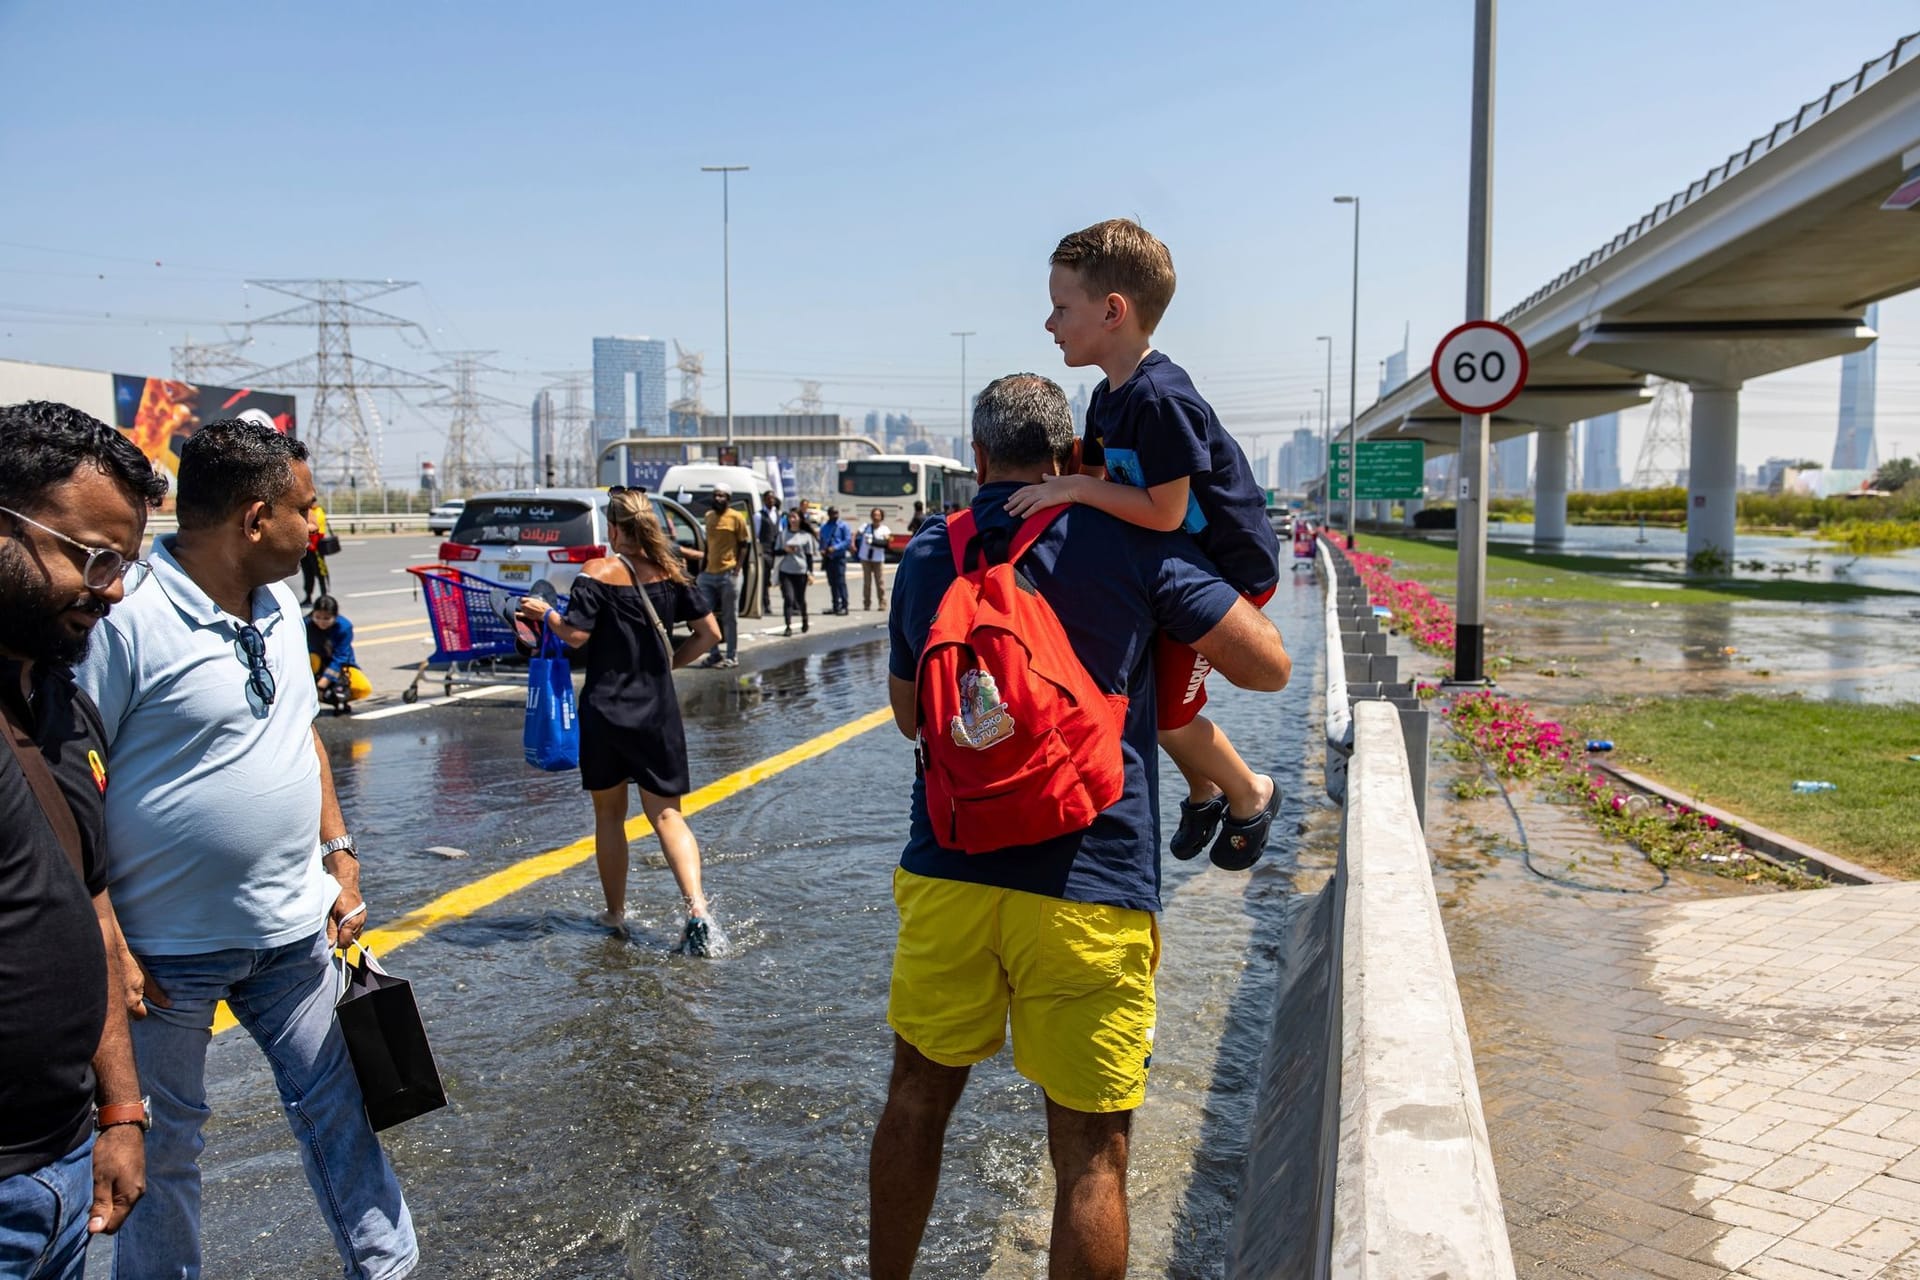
(983, 719)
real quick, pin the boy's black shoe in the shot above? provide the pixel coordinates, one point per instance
(1242, 841)
(1197, 824)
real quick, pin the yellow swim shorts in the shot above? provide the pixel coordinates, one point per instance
(1075, 977)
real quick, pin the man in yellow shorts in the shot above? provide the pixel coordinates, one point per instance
(1057, 940)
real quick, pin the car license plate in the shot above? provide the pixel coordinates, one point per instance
(516, 573)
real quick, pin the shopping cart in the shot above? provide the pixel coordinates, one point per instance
(472, 620)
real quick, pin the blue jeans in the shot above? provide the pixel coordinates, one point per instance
(284, 998)
(836, 566)
(43, 1218)
(723, 593)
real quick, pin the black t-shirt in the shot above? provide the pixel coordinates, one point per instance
(1155, 429)
(53, 966)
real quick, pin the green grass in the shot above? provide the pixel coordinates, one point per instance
(1517, 574)
(1743, 753)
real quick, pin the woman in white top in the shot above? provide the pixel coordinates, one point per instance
(870, 549)
(797, 549)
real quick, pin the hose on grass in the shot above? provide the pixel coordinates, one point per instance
(1526, 845)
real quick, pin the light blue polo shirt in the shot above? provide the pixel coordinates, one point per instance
(213, 815)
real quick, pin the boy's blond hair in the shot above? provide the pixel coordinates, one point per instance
(1119, 256)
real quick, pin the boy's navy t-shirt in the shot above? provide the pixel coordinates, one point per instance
(1156, 428)
(1112, 585)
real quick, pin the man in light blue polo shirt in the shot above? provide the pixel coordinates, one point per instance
(228, 858)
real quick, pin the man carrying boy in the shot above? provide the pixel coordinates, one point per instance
(1176, 467)
(1057, 940)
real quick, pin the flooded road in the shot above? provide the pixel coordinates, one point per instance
(617, 1110)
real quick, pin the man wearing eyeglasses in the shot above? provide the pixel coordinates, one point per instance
(74, 495)
(232, 869)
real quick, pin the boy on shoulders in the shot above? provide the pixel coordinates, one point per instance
(1156, 455)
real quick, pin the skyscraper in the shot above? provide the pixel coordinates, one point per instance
(1600, 454)
(1078, 406)
(544, 445)
(1394, 371)
(1510, 466)
(616, 415)
(1854, 448)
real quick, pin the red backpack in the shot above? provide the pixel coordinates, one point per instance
(1017, 744)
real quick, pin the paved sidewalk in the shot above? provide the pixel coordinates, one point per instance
(1703, 1088)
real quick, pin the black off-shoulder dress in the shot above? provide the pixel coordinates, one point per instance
(630, 729)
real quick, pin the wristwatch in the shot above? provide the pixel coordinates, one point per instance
(340, 844)
(140, 1113)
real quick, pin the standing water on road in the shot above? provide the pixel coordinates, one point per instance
(619, 1110)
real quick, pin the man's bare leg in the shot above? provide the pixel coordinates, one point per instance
(904, 1169)
(1090, 1193)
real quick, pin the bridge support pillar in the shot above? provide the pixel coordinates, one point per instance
(1550, 489)
(1409, 509)
(1713, 475)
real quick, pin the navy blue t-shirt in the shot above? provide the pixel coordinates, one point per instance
(1112, 585)
(1156, 429)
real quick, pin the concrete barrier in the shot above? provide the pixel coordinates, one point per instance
(1368, 1157)
(1415, 1192)
(1339, 711)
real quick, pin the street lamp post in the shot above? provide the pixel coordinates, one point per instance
(963, 335)
(1326, 428)
(1353, 371)
(1470, 589)
(726, 172)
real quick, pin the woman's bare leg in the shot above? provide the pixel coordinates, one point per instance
(679, 846)
(610, 852)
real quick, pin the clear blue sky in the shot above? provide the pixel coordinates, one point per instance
(535, 167)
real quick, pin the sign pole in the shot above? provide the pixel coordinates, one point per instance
(1470, 605)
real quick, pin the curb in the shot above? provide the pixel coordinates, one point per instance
(1770, 845)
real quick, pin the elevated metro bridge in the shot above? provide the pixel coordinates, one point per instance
(1767, 262)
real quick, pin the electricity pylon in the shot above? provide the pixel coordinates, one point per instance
(1663, 450)
(466, 446)
(336, 432)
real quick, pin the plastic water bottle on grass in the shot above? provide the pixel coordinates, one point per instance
(1805, 788)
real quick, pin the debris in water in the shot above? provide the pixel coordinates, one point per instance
(446, 851)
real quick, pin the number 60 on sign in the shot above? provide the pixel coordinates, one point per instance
(1480, 367)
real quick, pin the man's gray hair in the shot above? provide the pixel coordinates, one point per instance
(1023, 419)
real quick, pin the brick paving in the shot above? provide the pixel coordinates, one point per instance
(1727, 1086)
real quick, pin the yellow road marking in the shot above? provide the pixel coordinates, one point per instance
(386, 626)
(484, 892)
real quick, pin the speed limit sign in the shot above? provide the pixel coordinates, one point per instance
(1480, 367)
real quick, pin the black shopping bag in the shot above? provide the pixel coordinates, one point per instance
(388, 1044)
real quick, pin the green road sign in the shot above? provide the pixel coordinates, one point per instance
(1390, 470)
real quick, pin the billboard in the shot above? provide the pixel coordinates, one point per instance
(160, 414)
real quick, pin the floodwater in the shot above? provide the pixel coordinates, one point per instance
(1859, 650)
(619, 1110)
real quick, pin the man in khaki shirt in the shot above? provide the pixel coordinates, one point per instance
(727, 537)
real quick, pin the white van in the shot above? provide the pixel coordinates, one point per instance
(691, 485)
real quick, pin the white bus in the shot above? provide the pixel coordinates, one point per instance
(893, 482)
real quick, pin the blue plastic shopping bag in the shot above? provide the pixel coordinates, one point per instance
(552, 734)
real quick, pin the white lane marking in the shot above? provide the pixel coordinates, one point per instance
(425, 703)
(418, 637)
(389, 591)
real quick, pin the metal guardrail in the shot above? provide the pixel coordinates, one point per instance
(1840, 92)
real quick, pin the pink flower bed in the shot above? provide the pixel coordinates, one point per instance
(1421, 616)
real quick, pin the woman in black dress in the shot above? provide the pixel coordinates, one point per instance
(630, 730)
